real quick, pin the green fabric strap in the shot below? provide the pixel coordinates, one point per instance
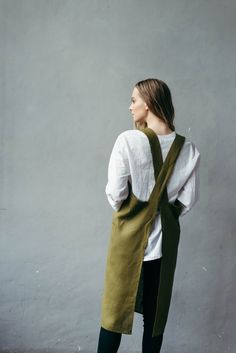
(162, 170)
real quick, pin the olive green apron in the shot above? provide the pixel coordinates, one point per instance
(131, 226)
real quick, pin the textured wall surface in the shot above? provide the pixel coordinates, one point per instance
(67, 72)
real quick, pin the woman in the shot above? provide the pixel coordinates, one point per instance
(153, 178)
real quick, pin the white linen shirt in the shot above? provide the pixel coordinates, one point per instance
(131, 159)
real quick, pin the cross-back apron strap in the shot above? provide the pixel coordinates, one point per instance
(155, 149)
(164, 199)
(162, 170)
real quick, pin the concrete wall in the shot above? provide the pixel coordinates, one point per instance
(67, 73)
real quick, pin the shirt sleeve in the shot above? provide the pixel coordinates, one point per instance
(189, 194)
(118, 172)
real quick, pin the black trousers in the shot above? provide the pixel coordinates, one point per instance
(109, 341)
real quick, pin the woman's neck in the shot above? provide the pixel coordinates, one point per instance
(160, 130)
(157, 124)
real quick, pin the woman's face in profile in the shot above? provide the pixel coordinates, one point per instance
(138, 107)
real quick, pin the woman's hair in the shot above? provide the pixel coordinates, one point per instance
(156, 94)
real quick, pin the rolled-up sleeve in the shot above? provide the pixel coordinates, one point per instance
(189, 193)
(118, 172)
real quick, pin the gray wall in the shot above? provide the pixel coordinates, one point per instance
(67, 73)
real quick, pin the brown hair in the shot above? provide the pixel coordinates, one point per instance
(157, 96)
